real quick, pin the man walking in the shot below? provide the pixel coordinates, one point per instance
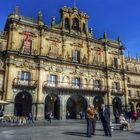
(105, 119)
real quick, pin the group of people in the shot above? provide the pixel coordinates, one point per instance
(103, 114)
(129, 115)
(92, 116)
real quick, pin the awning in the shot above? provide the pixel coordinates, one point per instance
(3, 102)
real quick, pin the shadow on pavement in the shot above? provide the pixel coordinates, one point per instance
(79, 134)
(136, 132)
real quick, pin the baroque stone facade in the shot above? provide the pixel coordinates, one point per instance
(62, 68)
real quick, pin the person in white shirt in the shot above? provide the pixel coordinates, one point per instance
(124, 122)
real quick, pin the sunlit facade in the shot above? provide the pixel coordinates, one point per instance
(62, 68)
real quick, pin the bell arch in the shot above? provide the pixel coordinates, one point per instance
(76, 104)
(117, 105)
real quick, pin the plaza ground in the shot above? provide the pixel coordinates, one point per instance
(64, 130)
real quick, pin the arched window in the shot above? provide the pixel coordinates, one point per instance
(67, 25)
(75, 24)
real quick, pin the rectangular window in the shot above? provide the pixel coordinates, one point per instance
(53, 79)
(97, 84)
(25, 76)
(76, 82)
(76, 56)
(115, 85)
(115, 63)
(129, 93)
(27, 46)
(137, 93)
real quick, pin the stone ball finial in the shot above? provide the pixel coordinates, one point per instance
(16, 11)
(53, 21)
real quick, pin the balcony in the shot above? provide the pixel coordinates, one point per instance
(133, 84)
(71, 86)
(118, 67)
(22, 84)
(117, 91)
(134, 97)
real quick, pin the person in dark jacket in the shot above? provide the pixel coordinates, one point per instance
(104, 115)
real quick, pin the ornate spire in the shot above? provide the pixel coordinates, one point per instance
(40, 22)
(119, 40)
(53, 21)
(91, 31)
(16, 11)
(105, 36)
(40, 16)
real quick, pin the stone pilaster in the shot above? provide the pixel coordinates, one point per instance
(40, 111)
(9, 109)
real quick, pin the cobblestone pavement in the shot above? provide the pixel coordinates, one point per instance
(64, 130)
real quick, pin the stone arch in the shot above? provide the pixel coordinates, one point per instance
(97, 101)
(131, 106)
(67, 23)
(23, 104)
(52, 105)
(76, 104)
(117, 105)
(138, 107)
(75, 23)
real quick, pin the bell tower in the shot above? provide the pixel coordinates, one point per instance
(73, 20)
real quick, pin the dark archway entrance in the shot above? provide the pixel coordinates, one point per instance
(117, 105)
(23, 104)
(52, 105)
(98, 100)
(138, 107)
(131, 106)
(76, 105)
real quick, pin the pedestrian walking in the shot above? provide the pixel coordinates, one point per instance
(117, 115)
(134, 115)
(104, 115)
(30, 118)
(49, 116)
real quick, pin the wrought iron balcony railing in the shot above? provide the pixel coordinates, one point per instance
(22, 84)
(134, 83)
(73, 86)
(117, 90)
(134, 97)
(132, 70)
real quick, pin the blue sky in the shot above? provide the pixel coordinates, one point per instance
(116, 17)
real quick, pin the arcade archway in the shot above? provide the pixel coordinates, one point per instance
(98, 100)
(23, 104)
(76, 104)
(138, 107)
(131, 107)
(117, 105)
(52, 105)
